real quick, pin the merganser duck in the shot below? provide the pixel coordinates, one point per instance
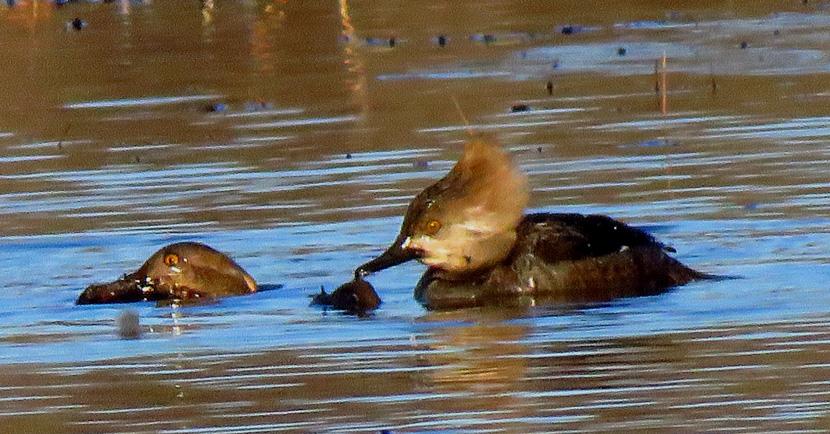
(180, 271)
(470, 229)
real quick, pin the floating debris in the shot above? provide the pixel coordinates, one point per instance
(515, 108)
(441, 40)
(621, 51)
(744, 45)
(77, 24)
(570, 29)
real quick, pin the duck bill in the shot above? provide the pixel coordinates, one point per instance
(124, 290)
(396, 254)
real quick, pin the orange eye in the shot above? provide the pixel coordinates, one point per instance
(433, 227)
(171, 259)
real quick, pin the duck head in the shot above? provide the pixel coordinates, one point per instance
(464, 222)
(177, 271)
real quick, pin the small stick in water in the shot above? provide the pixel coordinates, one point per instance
(661, 84)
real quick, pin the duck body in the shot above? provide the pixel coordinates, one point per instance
(180, 271)
(562, 258)
(470, 230)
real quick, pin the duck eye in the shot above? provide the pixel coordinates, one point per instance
(171, 259)
(433, 227)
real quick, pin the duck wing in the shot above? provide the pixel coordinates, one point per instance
(569, 237)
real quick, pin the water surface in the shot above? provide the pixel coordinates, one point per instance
(292, 136)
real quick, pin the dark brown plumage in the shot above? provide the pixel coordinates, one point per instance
(563, 258)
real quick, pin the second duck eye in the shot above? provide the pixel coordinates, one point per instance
(171, 259)
(433, 227)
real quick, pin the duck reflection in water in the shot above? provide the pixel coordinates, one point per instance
(470, 229)
(181, 271)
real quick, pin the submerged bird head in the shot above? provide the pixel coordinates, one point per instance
(176, 270)
(467, 220)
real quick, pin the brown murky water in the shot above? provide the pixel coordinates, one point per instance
(293, 134)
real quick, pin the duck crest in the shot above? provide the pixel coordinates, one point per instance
(476, 209)
(494, 191)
